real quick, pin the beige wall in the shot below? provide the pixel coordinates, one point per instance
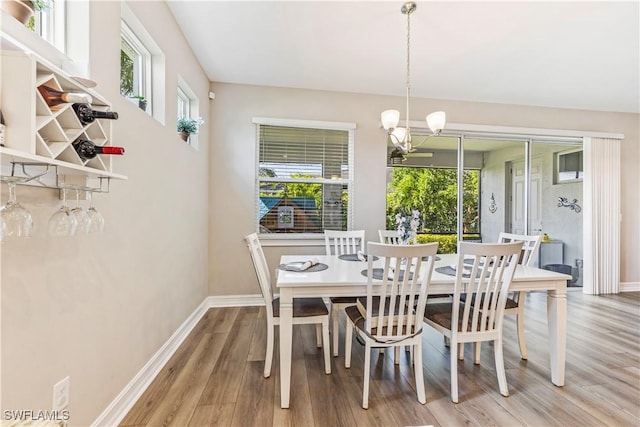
(233, 156)
(97, 307)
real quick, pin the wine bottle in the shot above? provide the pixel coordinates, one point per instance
(54, 97)
(87, 115)
(88, 149)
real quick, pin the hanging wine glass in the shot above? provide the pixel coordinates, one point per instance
(16, 221)
(3, 228)
(63, 222)
(97, 220)
(82, 218)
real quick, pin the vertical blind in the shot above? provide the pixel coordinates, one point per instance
(602, 209)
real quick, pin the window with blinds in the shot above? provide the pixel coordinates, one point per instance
(304, 179)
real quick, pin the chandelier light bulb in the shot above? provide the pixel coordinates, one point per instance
(436, 121)
(390, 119)
(399, 136)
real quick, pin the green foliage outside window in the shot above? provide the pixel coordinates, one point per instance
(126, 74)
(300, 190)
(433, 191)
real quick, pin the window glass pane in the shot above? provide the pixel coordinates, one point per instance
(303, 178)
(49, 23)
(129, 80)
(434, 193)
(135, 62)
(184, 104)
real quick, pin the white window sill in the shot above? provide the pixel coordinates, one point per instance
(24, 39)
(290, 240)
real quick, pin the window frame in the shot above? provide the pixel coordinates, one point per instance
(50, 24)
(307, 124)
(142, 64)
(558, 162)
(185, 94)
(184, 103)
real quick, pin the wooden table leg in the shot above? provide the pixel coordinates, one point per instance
(286, 333)
(557, 324)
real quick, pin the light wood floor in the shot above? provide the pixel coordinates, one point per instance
(215, 378)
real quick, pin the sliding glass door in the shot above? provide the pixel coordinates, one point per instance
(472, 187)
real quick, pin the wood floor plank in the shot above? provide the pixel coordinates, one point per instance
(186, 391)
(214, 415)
(254, 405)
(179, 388)
(328, 395)
(300, 412)
(215, 377)
(226, 377)
(259, 341)
(156, 393)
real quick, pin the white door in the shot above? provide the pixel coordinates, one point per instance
(518, 178)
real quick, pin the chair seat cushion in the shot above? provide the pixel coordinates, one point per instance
(358, 320)
(303, 307)
(362, 305)
(434, 296)
(343, 300)
(440, 313)
(511, 303)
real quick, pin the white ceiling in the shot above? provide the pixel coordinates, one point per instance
(582, 55)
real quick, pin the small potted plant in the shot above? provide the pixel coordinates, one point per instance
(142, 102)
(186, 126)
(23, 10)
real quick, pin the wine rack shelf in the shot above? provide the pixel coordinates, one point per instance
(36, 133)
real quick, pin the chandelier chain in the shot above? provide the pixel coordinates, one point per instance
(400, 137)
(408, 134)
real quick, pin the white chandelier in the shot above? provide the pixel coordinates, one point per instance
(401, 136)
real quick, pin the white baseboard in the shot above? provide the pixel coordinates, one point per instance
(235, 301)
(629, 286)
(118, 409)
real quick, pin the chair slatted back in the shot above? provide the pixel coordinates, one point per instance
(395, 304)
(530, 246)
(343, 242)
(487, 280)
(262, 270)
(389, 237)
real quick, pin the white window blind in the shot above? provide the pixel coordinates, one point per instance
(304, 179)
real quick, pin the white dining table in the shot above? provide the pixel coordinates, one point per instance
(345, 278)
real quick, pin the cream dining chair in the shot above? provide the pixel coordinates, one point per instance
(391, 313)
(305, 310)
(389, 237)
(338, 243)
(515, 302)
(462, 320)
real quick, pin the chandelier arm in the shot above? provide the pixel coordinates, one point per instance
(426, 137)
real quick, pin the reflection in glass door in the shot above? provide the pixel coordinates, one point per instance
(474, 187)
(560, 201)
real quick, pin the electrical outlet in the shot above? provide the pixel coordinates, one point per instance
(61, 395)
